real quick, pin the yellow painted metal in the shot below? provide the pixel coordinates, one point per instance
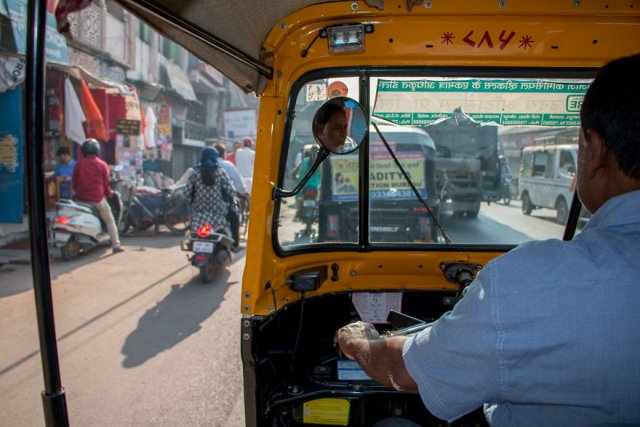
(461, 34)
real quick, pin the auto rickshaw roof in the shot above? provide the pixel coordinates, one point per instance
(228, 35)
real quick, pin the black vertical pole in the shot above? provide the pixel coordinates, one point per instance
(53, 396)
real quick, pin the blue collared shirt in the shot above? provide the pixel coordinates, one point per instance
(63, 169)
(548, 334)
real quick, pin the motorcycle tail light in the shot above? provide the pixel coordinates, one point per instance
(204, 230)
(61, 219)
(333, 226)
(425, 229)
(309, 193)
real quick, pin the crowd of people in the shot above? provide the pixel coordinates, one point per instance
(216, 187)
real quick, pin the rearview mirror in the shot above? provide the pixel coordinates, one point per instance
(340, 125)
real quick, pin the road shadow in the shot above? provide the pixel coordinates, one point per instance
(149, 239)
(179, 315)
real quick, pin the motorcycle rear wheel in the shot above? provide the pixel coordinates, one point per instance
(70, 250)
(207, 272)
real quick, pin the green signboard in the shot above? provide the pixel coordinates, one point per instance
(505, 102)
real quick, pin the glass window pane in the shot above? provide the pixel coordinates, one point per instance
(459, 140)
(326, 208)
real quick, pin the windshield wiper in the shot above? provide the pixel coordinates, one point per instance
(413, 187)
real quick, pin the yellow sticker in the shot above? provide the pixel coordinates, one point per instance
(329, 411)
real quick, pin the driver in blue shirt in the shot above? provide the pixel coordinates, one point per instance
(546, 334)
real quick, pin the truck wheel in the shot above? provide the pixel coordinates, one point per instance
(562, 211)
(70, 250)
(527, 207)
(474, 212)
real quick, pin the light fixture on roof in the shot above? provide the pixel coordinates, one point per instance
(346, 38)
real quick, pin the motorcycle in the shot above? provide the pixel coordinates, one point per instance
(78, 227)
(146, 206)
(308, 213)
(506, 192)
(211, 250)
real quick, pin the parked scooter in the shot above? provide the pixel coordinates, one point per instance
(146, 206)
(211, 250)
(78, 227)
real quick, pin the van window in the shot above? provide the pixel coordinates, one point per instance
(567, 166)
(540, 161)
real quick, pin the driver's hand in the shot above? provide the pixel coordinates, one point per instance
(348, 336)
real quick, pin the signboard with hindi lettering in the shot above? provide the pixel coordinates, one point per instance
(506, 102)
(128, 127)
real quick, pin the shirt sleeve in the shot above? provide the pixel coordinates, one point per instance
(455, 361)
(236, 178)
(107, 180)
(226, 185)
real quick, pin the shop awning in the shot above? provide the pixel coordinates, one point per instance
(179, 81)
(92, 80)
(206, 79)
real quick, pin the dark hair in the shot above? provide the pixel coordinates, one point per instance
(327, 110)
(222, 150)
(63, 150)
(611, 107)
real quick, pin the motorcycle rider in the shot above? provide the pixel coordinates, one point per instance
(211, 193)
(92, 185)
(245, 158)
(241, 191)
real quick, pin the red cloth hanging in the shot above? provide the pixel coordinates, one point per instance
(94, 125)
(112, 105)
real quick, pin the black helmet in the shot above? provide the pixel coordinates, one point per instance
(90, 146)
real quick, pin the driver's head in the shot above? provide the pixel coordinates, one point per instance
(609, 150)
(331, 126)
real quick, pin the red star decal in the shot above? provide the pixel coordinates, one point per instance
(447, 38)
(526, 42)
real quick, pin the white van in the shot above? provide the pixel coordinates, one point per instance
(545, 178)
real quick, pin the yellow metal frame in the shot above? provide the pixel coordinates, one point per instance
(547, 34)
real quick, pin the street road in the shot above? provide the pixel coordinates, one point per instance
(141, 341)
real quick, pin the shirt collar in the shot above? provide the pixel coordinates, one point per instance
(619, 210)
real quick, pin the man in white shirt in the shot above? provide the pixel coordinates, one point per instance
(240, 188)
(245, 158)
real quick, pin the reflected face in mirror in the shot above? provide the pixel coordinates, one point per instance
(332, 129)
(334, 124)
